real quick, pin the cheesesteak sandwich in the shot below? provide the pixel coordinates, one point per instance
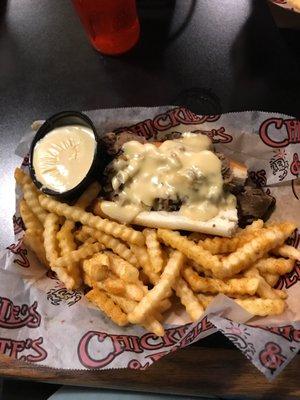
(179, 183)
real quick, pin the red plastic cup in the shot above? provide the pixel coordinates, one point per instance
(111, 25)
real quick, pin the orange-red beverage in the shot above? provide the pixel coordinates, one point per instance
(111, 25)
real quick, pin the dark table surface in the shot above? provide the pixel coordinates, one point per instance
(210, 55)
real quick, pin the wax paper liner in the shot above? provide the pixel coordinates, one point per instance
(43, 323)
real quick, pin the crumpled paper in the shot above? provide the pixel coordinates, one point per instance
(44, 323)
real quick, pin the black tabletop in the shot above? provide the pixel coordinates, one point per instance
(209, 55)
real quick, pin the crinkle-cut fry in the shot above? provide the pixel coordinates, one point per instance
(133, 291)
(70, 275)
(154, 249)
(51, 227)
(77, 255)
(68, 280)
(150, 324)
(199, 268)
(65, 238)
(287, 252)
(234, 286)
(144, 262)
(256, 225)
(87, 280)
(89, 195)
(81, 236)
(113, 285)
(127, 305)
(74, 270)
(117, 286)
(97, 267)
(65, 233)
(106, 304)
(21, 177)
(262, 307)
(89, 241)
(151, 300)
(34, 241)
(31, 195)
(164, 305)
(76, 214)
(197, 236)
(254, 305)
(112, 243)
(144, 278)
(188, 299)
(30, 220)
(264, 290)
(190, 249)
(246, 255)
(219, 245)
(271, 279)
(154, 326)
(273, 265)
(122, 268)
(205, 299)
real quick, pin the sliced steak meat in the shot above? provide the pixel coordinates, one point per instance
(166, 205)
(226, 170)
(253, 203)
(113, 142)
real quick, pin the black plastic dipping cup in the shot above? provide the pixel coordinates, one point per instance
(66, 118)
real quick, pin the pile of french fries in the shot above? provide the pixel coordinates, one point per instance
(133, 276)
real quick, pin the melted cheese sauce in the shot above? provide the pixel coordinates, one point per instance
(63, 157)
(183, 169)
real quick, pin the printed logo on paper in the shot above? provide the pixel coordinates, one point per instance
(295, 165)
(32, 348)
(89, 347)
(240, 337)
(288, 130)
(259, 177)
(56, 296)
(279, 165)
(19, 250)
(13, 316)
(271, 357)
(163, 122)
(290, 279)
(287, 332)
(18, 224)
(216, 135)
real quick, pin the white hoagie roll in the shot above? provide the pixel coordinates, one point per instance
(239, 172)
(223, 224)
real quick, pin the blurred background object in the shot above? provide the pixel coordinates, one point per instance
(112, 26)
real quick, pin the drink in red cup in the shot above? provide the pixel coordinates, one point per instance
(111, 25)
